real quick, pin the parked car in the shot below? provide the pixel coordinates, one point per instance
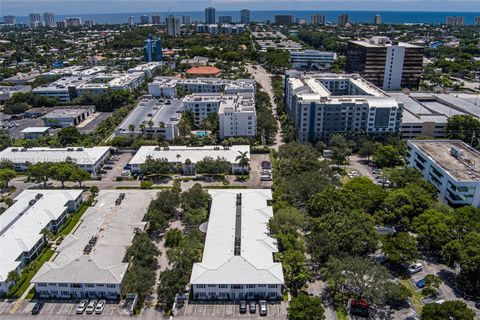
(243, 306)
(81, 307)
(37, 307)
(100, 306)
(252, 307)
(414, 268)
(91, 306)
(263, 307)
(412, 318)
(421, 283)
(265, 177)
(358, 308)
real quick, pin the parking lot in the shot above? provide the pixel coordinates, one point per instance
(256, 171)
(58, 309)
(229, 311)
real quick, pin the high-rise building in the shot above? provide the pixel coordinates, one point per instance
(477, 21)
(35, 20)
(187, 20)
(225, 19)
(387, 64)
(49, 20)
(9, 19)
(144, 19)
(131, 20)
(210, 15)
(73, 22)
(61, 24)
(245, 16)
(283, 19)
(343, 20)
(377, 20)
(318, 19)
(172, 25)
(455, 21)
(320, 105)
(156, 19)
(153, 49)
(90, 23)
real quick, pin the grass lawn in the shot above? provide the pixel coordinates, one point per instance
(416, 295)
(341, 312)
(22, 285)
(72, 221)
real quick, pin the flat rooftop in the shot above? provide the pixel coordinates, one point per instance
(194, 154)
(68, 112)
(153, 110)
(114, 226)
(22, 223)
(35, 130)
(82, 156)
(252, 262)
(465, 169)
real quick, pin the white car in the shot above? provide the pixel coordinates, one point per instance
(100, 306)
(263, 307)
(414, 268)
(91, 306)
(81, 307)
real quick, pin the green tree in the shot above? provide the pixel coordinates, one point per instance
(433, 229)
(296, 157)
(304, 307)
(367, 149)
(339, 234)
(400, 248)
(387, 156)
(62, 172)
(195, 217)
(156, 166)
(341, 148)
(69, 136)
(195, 198)
(288, 220)
(243, 160)
(449, 310)
(40, 172)
(294, 269)
(13, 276)
(402, 177)
(210, 165)
(173, 237)
(363, 194)
(6, 175)
(463, 127)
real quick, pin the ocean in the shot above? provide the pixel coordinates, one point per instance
(397, 17)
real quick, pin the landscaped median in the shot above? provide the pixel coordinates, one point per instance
(28, 272)
(72, 221)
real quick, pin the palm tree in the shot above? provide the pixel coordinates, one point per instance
(243, 160)
(150, 124)
(161, 124)
(131, 127)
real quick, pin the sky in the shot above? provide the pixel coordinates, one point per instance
(23, 7)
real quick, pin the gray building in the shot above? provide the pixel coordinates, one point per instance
(210, 15)
(321, 104)
(67, 117)
(172, 25)
(245, 16)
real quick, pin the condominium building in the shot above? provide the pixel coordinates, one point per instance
(454, 21)
(312, 59)
(154, 118)
(172, 25)
(343, 20)
(146, 68)
(451, 166)
(245, 16)
(318, 19)
(187, 157)
(387, 64)
(225, 19)
(22, 227)
(74, 22)
(88, 159)
(35, 20)
(90, 262)
(131, 20)
(156, 19)
(144, 19)
(284, 19)
(49, 19)
(168, 86)
(323, 104)
(237, 262)
(477, 21)
(9, 19)
(152, 49)
(210, 15)
(377, 20)
(187, 20)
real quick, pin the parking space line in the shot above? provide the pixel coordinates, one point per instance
(4, 307)
(70, 308)
(113, 309)
(53, 308)
(61, 309)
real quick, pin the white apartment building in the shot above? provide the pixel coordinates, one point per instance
(321, 104)
(308, 59)
(90, 261)
(172, 26)
(237, 258)
(21, 226)
(146, 68)
(88, 159)
(6, 92)
(451, 166)
(236, 113)
(168, 86)
(63, 89)
(189, 156)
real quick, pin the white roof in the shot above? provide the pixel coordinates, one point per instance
(21, 224)
(82, 156)
(195, 154)
(114, 226)
(254, 264)
(35, 129)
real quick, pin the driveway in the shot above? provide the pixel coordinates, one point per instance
(256, 171)
(220, 310)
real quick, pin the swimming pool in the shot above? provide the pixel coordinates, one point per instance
(202, 133)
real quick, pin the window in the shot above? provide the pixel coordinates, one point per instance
(100, 285)
(223, 286)
(41, 284)
(262, 285)
(237, 286)
(89, 285)
(250, 286)
(110, 286)
(63, 285)
(211, 286)
(200, 286)
(272, 286)
(52, 284)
